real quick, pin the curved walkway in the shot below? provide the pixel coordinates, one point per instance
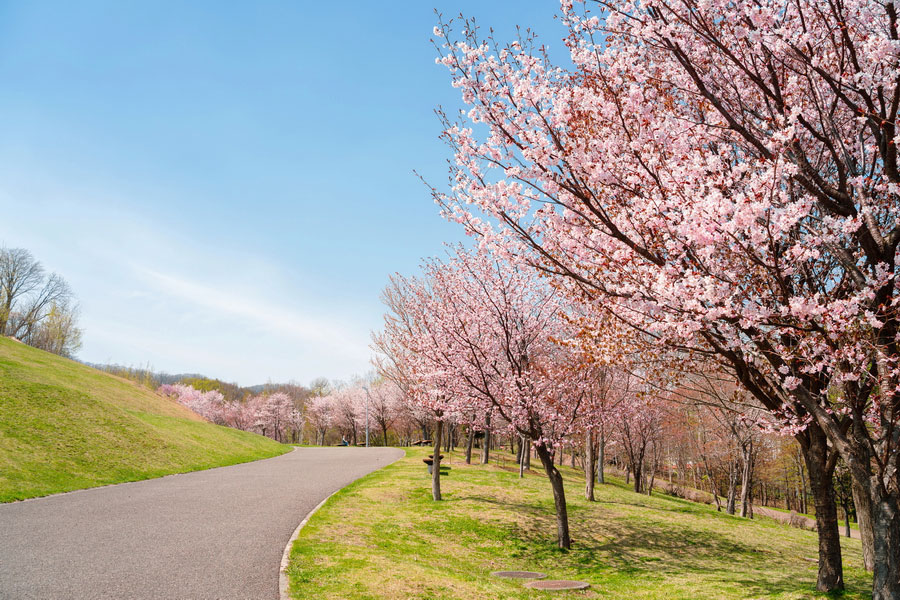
(209, 534)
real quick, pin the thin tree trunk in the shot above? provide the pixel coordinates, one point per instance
(846, 519)
(746, 474)
(469, 442)
(486, 444)
(589, 465)
(527, 453)
(436, 464)
(521, 457)
(601, 456)
(559, 497)
(732, 488)
(801, 492)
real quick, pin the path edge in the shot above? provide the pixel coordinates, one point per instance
(283, 582)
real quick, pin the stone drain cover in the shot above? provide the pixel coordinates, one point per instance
(519, 574)
(558, 584)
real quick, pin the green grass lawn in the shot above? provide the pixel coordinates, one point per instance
(66, 426)
(383, 537)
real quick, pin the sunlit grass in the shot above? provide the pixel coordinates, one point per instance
(65, 426)
(383, 537)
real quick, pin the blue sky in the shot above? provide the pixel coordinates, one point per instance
(228, 186)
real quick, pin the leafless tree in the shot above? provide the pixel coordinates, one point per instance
(36, 308)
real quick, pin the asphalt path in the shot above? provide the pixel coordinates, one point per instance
(209, 534)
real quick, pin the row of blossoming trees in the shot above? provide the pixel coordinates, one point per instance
(717, 179)
(274, 415)
(479, 340)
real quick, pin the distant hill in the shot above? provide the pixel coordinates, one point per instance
(66, 426)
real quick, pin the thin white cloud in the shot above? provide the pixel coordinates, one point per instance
(320, 331)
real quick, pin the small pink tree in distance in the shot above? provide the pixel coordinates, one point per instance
(320, 414)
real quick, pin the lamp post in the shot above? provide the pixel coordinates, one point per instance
(365, 387)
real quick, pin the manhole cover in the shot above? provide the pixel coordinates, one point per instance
(558, 584)
(519, 574)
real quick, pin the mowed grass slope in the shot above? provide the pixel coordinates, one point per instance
(66, 426)
(383, 537)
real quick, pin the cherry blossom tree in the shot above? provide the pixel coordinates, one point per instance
(385, 406)
(320, 415)
(478, 335)
(731, 183)
(638, 430)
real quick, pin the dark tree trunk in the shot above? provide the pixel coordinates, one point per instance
(589, 468)
(821, 475)
(527, 453)
(469, 442)
(864, 520)
(559, 497)
(436, 465)
(883, 504)
(486, 444)
(846, 508)
(886, 530)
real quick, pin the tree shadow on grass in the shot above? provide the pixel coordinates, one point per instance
(647, 548)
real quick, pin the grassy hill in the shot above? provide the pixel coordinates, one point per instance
(383, 537)
(66, 426)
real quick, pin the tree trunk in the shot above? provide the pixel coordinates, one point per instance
(521, 456)
(732, 488)
(527, 453)
(601, 457)
(883, 505)
(831, 570)
(746, 474)
(589, 466)
(801, 492)
(469, 442)
(486, 444)
(436, 465)
(559, 497)
(886, 530)
(846, 519)
(864, 520)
